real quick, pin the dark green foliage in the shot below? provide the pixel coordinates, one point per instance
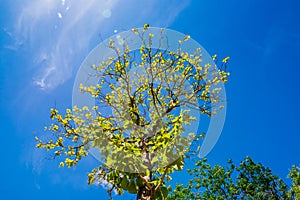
(295, 176)
(249, 180)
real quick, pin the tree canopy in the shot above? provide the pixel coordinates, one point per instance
(248, 180)
(145, 101)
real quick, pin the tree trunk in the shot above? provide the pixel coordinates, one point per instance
(144, 192)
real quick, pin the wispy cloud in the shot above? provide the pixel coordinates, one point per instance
(59, 34)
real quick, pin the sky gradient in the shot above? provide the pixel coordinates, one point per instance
(44, 42)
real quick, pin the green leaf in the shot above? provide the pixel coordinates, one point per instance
(162, 193)
(124, 183)
(132, 187)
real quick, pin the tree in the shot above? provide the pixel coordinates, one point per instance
(144, 104)
(295, 176)
(249, 180)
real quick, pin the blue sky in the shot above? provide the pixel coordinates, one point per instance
(42, 44)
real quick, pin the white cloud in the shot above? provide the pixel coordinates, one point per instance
(59, 34)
